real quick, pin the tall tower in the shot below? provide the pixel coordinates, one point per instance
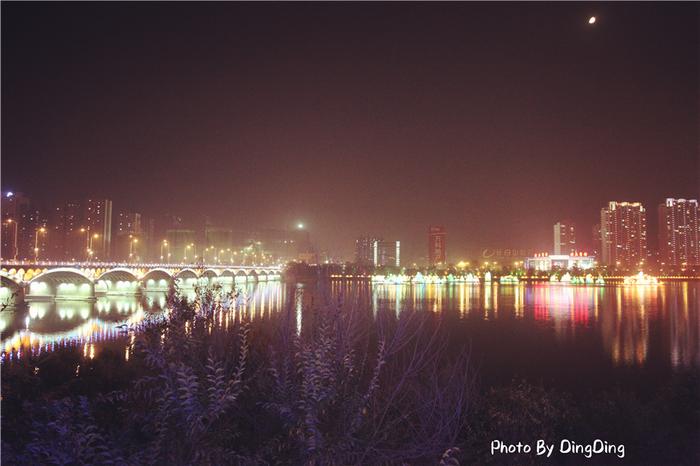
(564, 237)
(98, 222)
(679, 233)
(436, 244)
(623, 231)
(365, 250)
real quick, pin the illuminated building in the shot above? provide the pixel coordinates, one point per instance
(364, 250)
(128, 223)
(279, 245)
(20, 222)
(623, 231)
(97, 221)
(547, 262)
(386, 253)
(129, 243)
(218, 244)
(182, 245)
(436, 245)
(66, 242)
(678, 232)
(564, 237)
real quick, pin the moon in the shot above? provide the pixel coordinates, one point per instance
(591, 20)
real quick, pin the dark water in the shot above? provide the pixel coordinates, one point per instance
(596, 336)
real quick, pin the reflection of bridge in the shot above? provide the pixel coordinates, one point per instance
(51, 280)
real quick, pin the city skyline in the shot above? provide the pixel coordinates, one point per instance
(83, 230)
(257, 133)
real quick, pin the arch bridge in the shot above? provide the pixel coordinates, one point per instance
(55, 280)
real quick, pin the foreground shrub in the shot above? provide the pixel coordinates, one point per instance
(213, 387)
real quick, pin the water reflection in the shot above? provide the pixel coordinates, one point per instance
(627, 322)
(621, 317)
(41, 326)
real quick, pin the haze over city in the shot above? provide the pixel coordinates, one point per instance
(493, 120)
(357, 233)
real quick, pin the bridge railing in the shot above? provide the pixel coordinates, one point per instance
(135, 265)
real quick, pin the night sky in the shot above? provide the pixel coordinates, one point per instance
(495, 120)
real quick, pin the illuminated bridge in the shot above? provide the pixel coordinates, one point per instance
(55, 281)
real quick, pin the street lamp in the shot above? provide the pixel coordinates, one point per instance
(131, 246)
(164, 244)
(36, 242)
(88, 251)
(94, 236)
(12, 222)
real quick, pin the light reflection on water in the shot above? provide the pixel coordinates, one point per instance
(628, 322)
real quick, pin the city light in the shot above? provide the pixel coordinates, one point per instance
(377, 233)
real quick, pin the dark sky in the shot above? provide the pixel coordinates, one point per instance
(495, 120)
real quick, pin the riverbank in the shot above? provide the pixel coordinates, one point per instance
(209, 384)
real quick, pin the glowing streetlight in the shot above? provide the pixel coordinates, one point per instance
(592, 20)
(131, 246)
(300, 226)
(41, 230)
(12, 222)
(164, 244)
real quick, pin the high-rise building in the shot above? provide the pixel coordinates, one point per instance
(564, 237)
(436, 245)
(127, 223)
(678, 232)
(623, 230)
(128, 241)
(66, 242)
(97, 223)
(278, 245)
(24, 230)
(364, 250)
(218, 244)
(386, 253)
(182, 245)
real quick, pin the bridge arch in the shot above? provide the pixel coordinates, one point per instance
(157, 273)
(61, 283)
(120, 281)
(157, 280)
(186, 273)
(187, 278)
(210, 273)
(122, 274)
(10, 290)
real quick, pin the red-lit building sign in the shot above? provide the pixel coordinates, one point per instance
(436, 245)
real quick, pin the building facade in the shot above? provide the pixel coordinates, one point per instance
(97, 220)
(436, 245)
(679, 233)
(564, 237)
(23, 234)
(547, 262)
(181, 245)
(386, 253)
(623, 231)
(128, 240)
(66, 242)
(364, 250)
